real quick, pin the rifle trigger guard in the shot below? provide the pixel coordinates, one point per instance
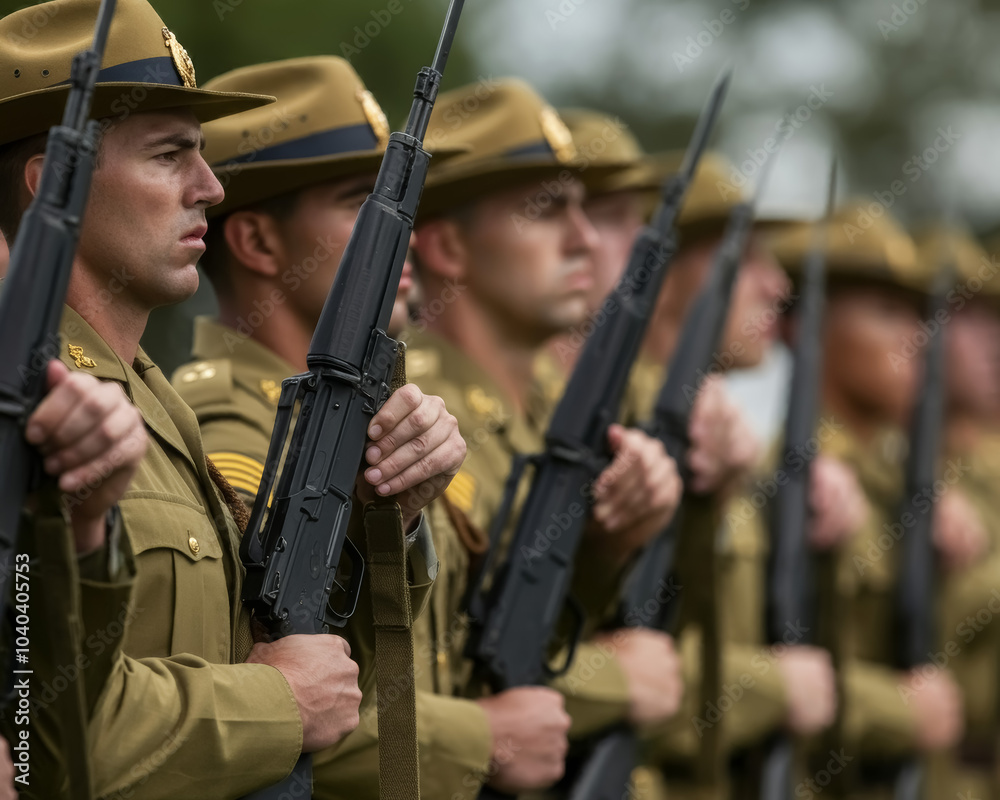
(353, 590)
(579, 619)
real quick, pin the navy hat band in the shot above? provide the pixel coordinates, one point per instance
(352, 139)
(159, 70)
(527, 151)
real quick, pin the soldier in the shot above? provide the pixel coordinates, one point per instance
(875, 296)
(796, 688)
(971, 572)
(194, 708)
(275, 245)
(504, 256)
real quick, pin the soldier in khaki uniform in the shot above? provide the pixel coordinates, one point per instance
(304, 204)
(723, 447)
(504, 258)
(971, 576)
(194, 708)
(870, 370)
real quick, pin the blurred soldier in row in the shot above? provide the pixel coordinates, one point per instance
(274, 247)
(969, 642)
(4, 256)
(876, 294)
(505, 257)
(194, 708)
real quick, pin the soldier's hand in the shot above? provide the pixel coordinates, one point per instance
(93, 439)
(636, 496)
(723, 447)
(323, 680)
(415, 451)
(839, 505)
(937, 705)
(652, 670)
(529, 727)
(959, 533)
(7, 790)
(810, 687)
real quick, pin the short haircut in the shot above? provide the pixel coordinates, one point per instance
(14, 198)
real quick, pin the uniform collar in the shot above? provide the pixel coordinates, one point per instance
(252, 362)
(83, 350)
(483, 397)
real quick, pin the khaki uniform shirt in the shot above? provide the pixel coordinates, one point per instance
(495, 433)
(233, 387)
(180, 715)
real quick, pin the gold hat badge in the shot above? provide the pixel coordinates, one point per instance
(183, 62)
(557, 134)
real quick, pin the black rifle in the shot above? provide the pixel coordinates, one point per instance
(515, 621)
(297, 532)
(915, 593)
(605, 771)
(789, 562)
(31, 303)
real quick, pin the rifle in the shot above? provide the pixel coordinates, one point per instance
(915, 589)
(297, 532)
(31, 304)
(514, 622)
(789, 562)
(604, 774)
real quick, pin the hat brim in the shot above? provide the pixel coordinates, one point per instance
(33, 113)
(254, 182)
(450, 190)
(861, 273)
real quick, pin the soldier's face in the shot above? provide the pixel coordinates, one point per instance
(973, 363)
(318, 232)
(872, 352)
(760, 290)
(532, 278)
(142, 232)
(617, 217)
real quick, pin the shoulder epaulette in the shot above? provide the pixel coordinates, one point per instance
(205, 383)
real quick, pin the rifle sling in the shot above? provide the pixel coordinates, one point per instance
(398, 757)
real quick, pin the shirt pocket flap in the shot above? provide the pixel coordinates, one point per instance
(181, 526)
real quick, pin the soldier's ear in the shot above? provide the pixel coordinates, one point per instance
(255, 242)
(33, 174)
(441, 250)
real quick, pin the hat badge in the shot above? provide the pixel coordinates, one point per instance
(557, 135)
(182, 61)
(375, 115)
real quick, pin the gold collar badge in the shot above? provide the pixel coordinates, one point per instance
(271, 390)
(182, 61)
(76, 353)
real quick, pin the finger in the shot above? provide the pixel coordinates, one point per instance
(78, 405)
(400, 405)
(410, 453)
(126, 453)
(440, 466)
(65, 395)
(417, 423)
(100, 438)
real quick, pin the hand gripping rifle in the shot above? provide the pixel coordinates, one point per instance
(605, 773)
(31, 306)
(915, 593)
(790, 564)
(297, 532)
(515, 621)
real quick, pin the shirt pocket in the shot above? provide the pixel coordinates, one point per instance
(181, 595)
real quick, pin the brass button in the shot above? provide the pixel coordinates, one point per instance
(193, 544)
